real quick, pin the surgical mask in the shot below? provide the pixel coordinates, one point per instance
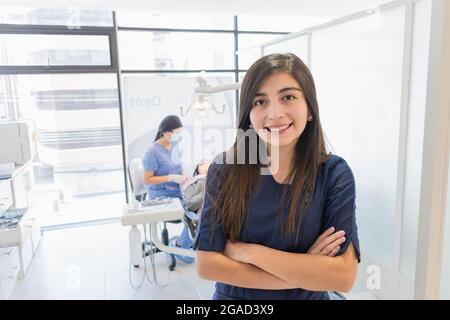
(175, 139)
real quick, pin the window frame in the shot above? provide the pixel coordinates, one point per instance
(112, 33)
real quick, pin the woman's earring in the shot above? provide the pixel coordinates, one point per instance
(310, 118)
(251, 127)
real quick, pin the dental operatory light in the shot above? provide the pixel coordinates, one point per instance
(202, 92)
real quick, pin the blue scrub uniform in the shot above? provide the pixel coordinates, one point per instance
(163, 162)
(333, 204)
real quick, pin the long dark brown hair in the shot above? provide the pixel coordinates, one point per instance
(240, 181)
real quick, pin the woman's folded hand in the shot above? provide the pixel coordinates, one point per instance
(328, 243)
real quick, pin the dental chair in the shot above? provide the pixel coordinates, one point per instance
(136, 174)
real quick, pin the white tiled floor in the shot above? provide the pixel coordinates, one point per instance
(71, 209)
(92, 263)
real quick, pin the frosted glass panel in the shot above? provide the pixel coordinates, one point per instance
(148, 99)
(249, 50)
(285, 23)
(298, 46)
(358, 71)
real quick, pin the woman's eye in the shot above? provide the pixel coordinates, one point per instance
(258, 102)
(289, 97)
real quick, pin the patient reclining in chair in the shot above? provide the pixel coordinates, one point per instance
(192, 192)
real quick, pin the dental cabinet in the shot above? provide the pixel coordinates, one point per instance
(20, 232)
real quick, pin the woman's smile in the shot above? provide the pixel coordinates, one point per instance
(278, 129)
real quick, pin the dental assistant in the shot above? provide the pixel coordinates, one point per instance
(162, 162)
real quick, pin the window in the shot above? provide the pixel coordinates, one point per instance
(71, 17)
(77, 118)
(2, 105)
(161, 38)
(146, 19)
(79, 147)
(141, 50)
(53, 50)
(163, 64)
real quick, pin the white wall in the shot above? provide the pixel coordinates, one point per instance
(444, 290)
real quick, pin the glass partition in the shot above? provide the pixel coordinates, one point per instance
(149, 98)
(359, 92)
(272, 22)
(297, 46)
(249, 51)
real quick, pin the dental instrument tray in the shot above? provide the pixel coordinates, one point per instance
(168, 210)
(156, 201)
(6, 170)
(15, 225)
(11, 218)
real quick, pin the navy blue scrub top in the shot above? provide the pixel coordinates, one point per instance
(333, 204)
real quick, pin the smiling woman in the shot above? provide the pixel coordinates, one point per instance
(282, 91)
(289, 215)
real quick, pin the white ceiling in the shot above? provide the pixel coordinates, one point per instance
(303, 8)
